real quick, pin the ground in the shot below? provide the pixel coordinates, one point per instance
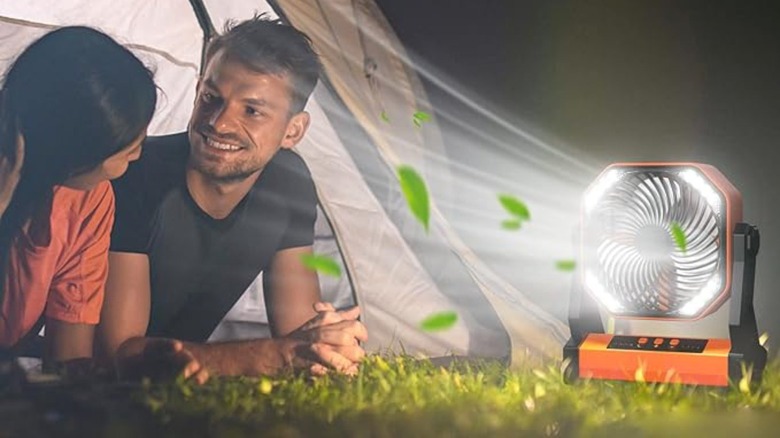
(396, 397)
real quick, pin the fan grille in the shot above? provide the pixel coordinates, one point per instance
(631, 249)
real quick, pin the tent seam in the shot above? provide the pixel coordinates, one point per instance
(140, 47)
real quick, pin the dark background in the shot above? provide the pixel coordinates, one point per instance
(620, 81)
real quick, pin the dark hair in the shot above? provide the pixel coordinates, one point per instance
(269, 46)
(77, 97)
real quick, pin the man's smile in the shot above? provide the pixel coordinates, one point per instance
(221, 146)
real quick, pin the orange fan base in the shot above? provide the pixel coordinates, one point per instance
(649, 359)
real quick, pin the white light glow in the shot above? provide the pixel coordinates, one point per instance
(600, 187)
(705, 296)
(594, 285)
(701, 185)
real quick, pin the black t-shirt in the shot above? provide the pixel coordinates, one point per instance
(200, 266)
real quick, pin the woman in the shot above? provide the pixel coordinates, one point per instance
(74, 109)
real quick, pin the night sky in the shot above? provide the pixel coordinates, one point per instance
(598, 73)
(625, 81)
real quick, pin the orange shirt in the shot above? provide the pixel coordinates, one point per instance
(65, 280)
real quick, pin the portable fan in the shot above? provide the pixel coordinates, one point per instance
(664, 242)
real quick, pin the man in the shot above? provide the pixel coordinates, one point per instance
(204, 212)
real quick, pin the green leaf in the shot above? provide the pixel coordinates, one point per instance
(566, 265)
(416, 194)
(419, 117)
(322, 264)
(679, 237)
(515, 207)
(439, 321)
(511, 224)
(384, 117)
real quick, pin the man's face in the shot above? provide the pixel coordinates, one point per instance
(240, 120)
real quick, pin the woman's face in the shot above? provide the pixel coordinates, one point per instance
(111, 168)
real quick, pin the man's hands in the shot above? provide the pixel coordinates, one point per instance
(329, 340)
(159, 359)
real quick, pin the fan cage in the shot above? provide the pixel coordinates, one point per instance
(633, 263)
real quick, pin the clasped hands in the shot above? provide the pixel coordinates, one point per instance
(328, 341)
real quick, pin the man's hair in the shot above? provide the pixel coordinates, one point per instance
(269, 46)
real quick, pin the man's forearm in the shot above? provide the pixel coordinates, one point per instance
(244, 358)
(141, 356)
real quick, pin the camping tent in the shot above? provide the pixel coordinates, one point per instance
(361, 130)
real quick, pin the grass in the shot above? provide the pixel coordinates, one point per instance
(396, 397)
(403, 397)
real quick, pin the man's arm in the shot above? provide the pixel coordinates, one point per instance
(124, 320)
(126, 307)
(290, 291)
(126, 315)
(329, 340)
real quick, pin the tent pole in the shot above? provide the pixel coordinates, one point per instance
(205, 25)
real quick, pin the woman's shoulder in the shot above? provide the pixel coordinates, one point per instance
(79, 203)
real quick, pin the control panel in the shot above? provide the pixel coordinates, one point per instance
(681, 345)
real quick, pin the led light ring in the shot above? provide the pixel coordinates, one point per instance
(678, 284)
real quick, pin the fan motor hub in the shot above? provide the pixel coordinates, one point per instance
(654, 243)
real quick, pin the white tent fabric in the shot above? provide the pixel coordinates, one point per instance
(397, 273)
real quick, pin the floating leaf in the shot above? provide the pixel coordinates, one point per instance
(566, 265)
(439, 321)
(679, 237)
(420, 117)
(322, 264)
(416, 194)
(384, 117)
(515, 207)
(511, 224)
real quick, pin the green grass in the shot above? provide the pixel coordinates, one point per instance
(403, 397)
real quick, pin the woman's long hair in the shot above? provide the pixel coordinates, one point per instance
(77, 97)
